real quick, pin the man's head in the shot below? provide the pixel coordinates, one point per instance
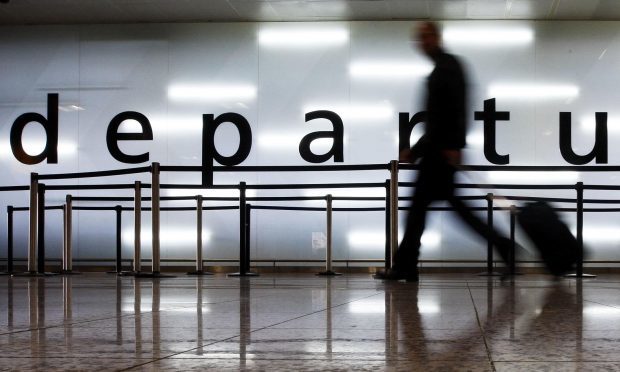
(428, 37)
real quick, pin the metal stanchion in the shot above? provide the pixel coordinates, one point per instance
(489, 271)
(137, 227)
(579, 272)
(199, 262)
(393, 209)
(41, 230)
(119, 245)
(9, 240)
(244, 258)
(67, 257)
(328, 251)
(388, 250)
(512, 255)
(137, 220)
(156, 260)
(32, 235)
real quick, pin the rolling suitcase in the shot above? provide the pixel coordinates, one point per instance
(557, 246)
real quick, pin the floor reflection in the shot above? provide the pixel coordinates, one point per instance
(303, 322)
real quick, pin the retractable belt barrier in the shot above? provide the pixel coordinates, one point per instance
(37, 207)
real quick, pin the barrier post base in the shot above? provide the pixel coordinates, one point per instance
(33, 274)
(152, 275)
(240, 274)
(492, 273)
(328, 273)
(69, 272)
(199, 272)
(577, 276)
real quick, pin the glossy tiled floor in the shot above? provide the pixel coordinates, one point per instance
(303, 322)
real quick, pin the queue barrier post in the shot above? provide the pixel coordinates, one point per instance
(155, 224)
(490, 221)
(32, 219)
(137, 221)
(580, 256)
(393, 210)
(244, 254)
(328, 251)
(199, 261)
(41, 229)
(118, 265)
(9, 240)
(67, 254)
(388, 249)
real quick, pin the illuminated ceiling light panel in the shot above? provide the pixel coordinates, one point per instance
(288, 141)
(599, 234)
(495, 37)
(533, 177)
(601, 311)
(36, 147)
(357, 192)
(71, 108)
(367, 306)
(211, 93)
(364, 239)
(294, 38)
(219, 193)
(357, 111)
(588, 123)
(168, 236)
(533, 91)
(388, 70)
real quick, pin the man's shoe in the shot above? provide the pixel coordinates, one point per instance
(397, 275)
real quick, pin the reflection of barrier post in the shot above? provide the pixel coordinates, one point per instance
(155, 218)
(328, 250)
(244, 254)
(388, 250)
(137, 220)
(199, 261)
(579, 269)
(489, 271)
(32, 232)
(393, 208)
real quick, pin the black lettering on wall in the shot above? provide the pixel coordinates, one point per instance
(405, 127)
(50, 124)
(489, 117)
(337, 135)
(598, 153)
(112, 136)
(209, 151)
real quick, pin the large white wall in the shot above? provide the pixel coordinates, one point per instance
(100, 71)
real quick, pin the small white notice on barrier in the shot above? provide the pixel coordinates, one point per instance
(319, 240)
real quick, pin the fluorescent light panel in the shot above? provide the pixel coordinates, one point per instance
(37, 146)
(296, 38)
(389, 70)
(357, 111)
(369, 239)
(220, 193)
(488, 36)
(271, 141)
(533, 91)
(533, 177)
(211, 92)
(168, 236)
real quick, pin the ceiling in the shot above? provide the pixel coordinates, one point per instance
(19, 12)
